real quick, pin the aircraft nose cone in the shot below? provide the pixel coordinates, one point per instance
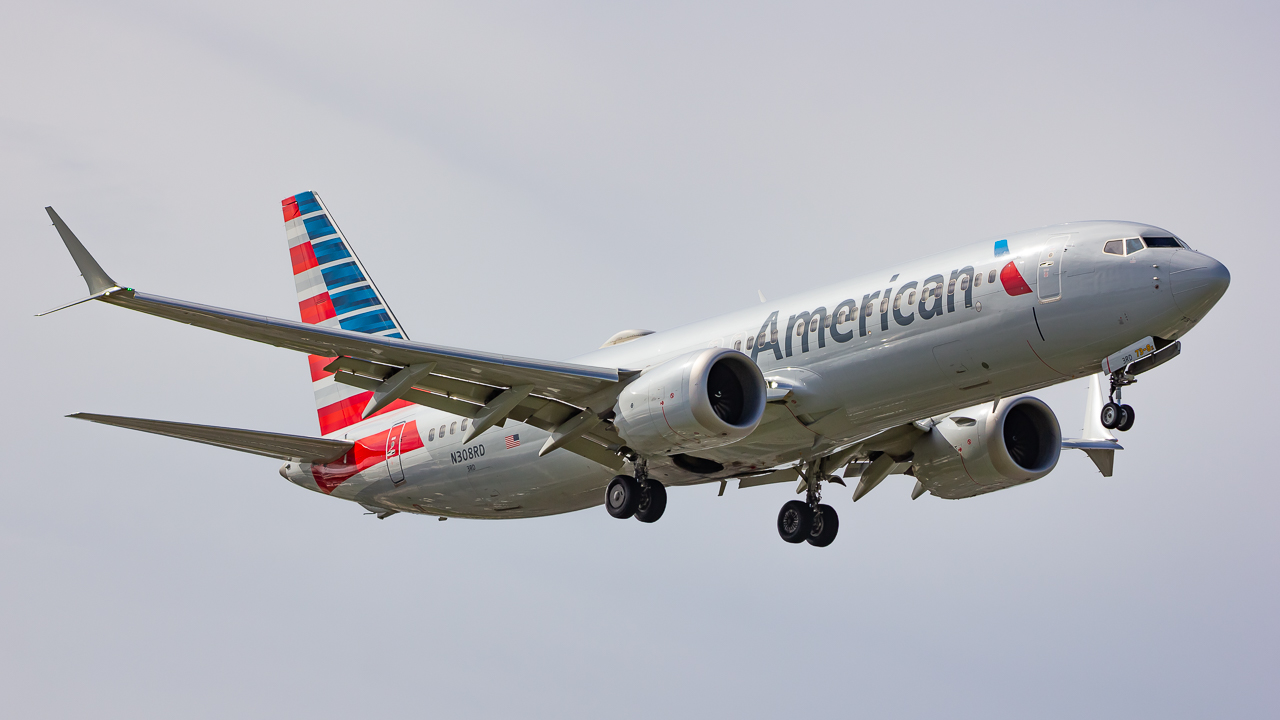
(1197, 281)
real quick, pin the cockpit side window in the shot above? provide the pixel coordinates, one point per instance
(1132, 245)
(1162, 242)
(1114, 247)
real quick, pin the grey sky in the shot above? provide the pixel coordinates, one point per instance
(532, 178)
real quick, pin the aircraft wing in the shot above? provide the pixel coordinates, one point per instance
(564, 399)
(557, 380)
(285, 447)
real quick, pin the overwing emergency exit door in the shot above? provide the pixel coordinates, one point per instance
(395, 467)
(1049, 273)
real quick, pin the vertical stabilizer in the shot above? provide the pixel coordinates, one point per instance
(334, 290)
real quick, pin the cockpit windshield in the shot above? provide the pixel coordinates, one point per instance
(1129, 246)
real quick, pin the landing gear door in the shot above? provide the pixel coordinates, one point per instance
(394, 465)
(1049, 272)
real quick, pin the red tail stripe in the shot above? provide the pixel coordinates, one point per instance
(318, 364)
(347, 411)
(290, 206)
(303, 257)
(317, 309)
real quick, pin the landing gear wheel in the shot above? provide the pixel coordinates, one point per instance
(795, 521)
(1126, 418)
(825, 526)
(622, 497)
(653, 501)
(1110, 416)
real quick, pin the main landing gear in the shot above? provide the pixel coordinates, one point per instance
(639, 497)
(1116, 416)
(809, 520)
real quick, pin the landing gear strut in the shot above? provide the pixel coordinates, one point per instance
(809, 520)
(640, 497)
(1116, 416)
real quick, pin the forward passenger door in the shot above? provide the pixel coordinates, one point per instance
(1049, 272)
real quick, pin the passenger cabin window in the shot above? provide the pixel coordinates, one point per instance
(991, 277)
(431, 435)
(464, 425)
(1132, 245)
(964, 283)
(842, 316)
(813, 325)
(441, 432)
(453, 427)
(884, 305)
(1162, 242)
(911, 297)
(1114, 247)
(977, 280)
(751, 342)
(737, 345)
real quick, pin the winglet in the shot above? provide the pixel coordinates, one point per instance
(94, 276)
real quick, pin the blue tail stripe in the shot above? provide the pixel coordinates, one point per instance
(307, 202)
(354, 299)
(340, 275)
(319, 226)
(370, 322)
(329, 250)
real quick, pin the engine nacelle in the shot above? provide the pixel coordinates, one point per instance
(977, 451)
(704, 399)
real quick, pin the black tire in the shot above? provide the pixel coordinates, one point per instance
(1126, 418)
(795, 520)
(653, 501)
(1110, 416)
(826, 523)
(622, 497)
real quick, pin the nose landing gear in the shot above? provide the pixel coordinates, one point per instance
(1116, 416)
(809, 520)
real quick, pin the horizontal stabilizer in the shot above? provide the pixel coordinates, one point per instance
(296, 448)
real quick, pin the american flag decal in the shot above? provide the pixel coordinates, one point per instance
(513, 441)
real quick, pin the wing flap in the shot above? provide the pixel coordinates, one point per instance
(296, 448)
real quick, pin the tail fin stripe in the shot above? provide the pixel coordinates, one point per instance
(329, 250)
(348, 410)
(370, 322)
(319, 227)
(334, 290)
(317, 309)
(309, 283)
(318, 364)
(307, 202)
(338, 276)
(302, 258)
(361, 296)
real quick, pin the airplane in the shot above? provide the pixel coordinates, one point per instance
(918, 370)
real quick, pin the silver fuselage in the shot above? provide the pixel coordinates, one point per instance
(850, 379)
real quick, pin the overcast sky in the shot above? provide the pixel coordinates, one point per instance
(532, 178)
